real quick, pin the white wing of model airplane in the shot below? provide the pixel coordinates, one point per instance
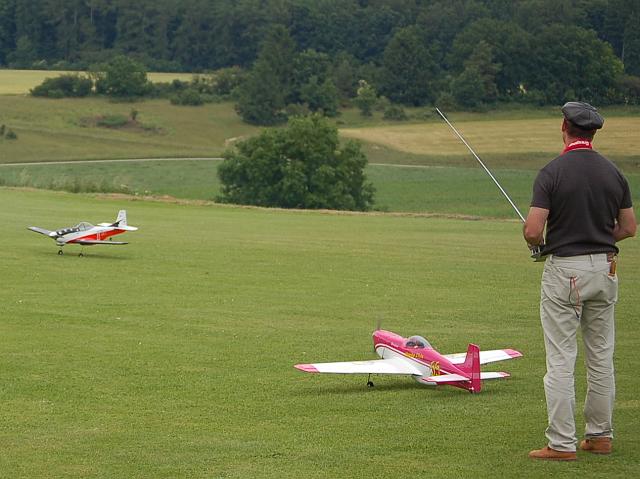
(376, 366)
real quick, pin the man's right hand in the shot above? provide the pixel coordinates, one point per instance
(537, 253)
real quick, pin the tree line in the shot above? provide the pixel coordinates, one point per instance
(413, 52)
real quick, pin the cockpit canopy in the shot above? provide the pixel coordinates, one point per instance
(417, 342)
(83, 226)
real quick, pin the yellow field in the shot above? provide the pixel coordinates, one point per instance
(17, 82)
(619, 136)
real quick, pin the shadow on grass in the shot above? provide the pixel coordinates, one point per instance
(357, 387)
(85, 255)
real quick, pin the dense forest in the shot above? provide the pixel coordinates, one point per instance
(411, 51)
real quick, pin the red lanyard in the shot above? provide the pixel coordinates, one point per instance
(577, 145)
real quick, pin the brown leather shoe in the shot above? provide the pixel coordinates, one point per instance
(597, 445)
(552, 455)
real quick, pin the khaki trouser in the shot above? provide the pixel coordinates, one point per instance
(578, 291)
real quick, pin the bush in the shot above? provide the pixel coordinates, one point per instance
(227, 80)
(7, 133)
(301, 166)
(395, 112)
(56, 94)
(188, 97)
(534, 97)
(629, 88)
(446, 101)
(123, 78)
(112, 121)
(297, 109)
(162, 89)
(67, 85)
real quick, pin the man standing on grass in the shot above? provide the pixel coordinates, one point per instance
(585, 202)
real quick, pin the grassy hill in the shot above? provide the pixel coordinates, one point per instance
(514, 143)
(173, 356)
(50, 130)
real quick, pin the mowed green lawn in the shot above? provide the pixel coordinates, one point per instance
(173, 356)
(452, 190)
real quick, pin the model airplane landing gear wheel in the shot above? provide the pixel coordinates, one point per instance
(59, 251)
(81, 254)
(370, 384)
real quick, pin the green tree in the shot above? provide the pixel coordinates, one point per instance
(262, 98)
(142, 28)
(366, 98)
(320, 97)
(481, 67)
(345, 75)
(24, 55)
(631, 45)
(467, 88)
(64, 17)
(509, 50)
(308, 64)
(123, 78)
(564, 72)
(193, 43)
(409, 69)
(7, 29)
(301, 166)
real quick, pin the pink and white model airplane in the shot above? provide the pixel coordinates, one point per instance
(414, 356)
(86, 234)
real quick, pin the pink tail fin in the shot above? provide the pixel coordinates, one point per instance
(471, 365)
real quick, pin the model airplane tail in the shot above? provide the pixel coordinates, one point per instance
(472, 366)
(121, 222)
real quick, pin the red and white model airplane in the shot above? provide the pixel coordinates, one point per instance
(414, 356)
(86, 234)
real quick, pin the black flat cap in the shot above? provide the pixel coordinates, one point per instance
(583, 115)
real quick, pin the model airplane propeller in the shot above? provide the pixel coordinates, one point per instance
(415, 357)
(86, 234)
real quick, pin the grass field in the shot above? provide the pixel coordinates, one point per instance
(172, 356)
(19, 82)
(52, 130)
(440, 190)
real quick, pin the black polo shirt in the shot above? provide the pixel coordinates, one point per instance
(583, 192)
